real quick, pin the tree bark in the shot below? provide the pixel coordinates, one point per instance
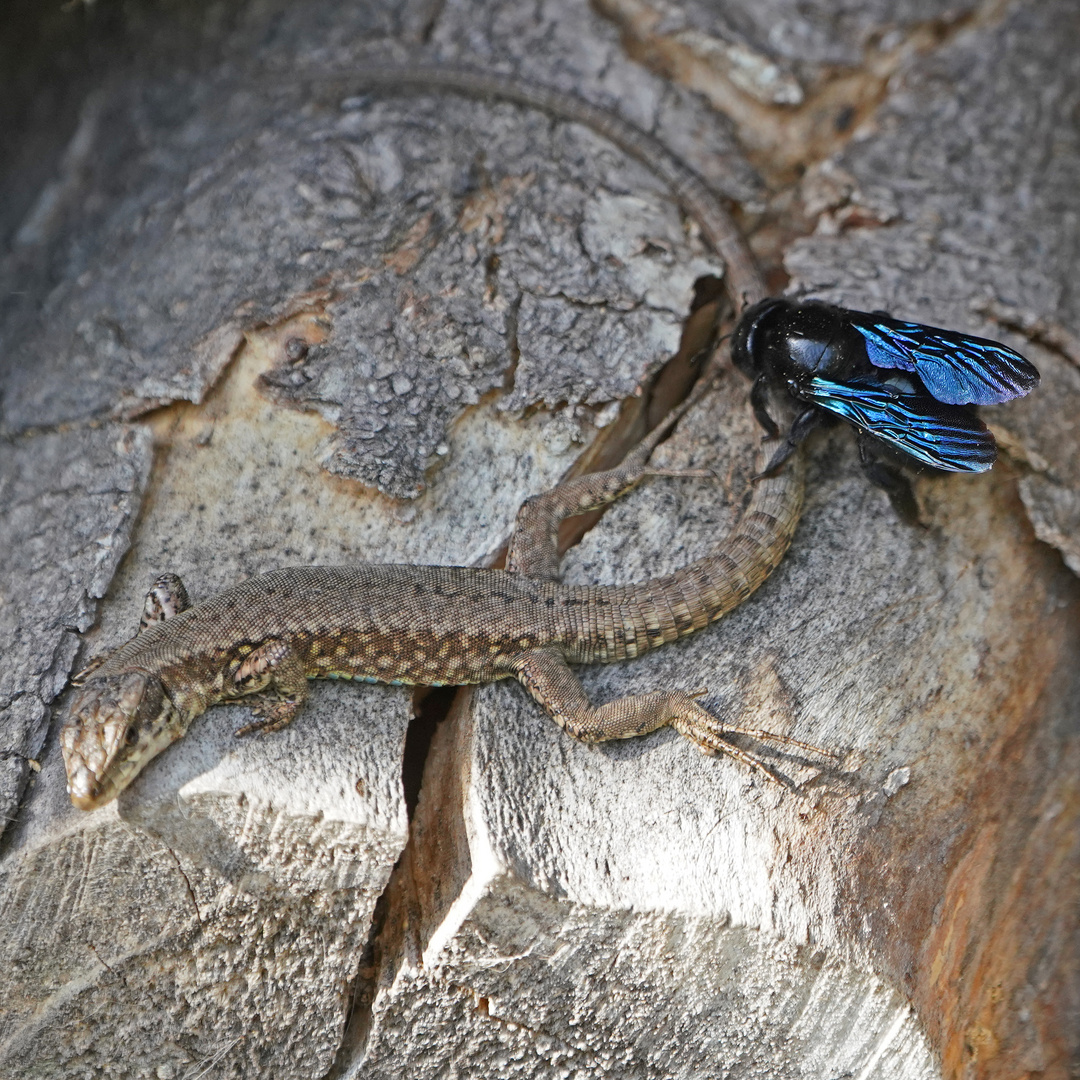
(245, 326)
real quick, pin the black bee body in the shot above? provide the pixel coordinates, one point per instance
(906, 387)
(779, 340)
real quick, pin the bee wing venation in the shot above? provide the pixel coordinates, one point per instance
(936, 435)
(955, 368)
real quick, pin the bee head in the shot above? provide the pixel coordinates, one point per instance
(745, 346)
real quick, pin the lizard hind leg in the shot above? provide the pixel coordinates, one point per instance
(559, 692)
(534, 547)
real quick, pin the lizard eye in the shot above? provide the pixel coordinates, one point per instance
(131, 736)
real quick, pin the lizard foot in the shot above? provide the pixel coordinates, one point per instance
(712, 736)
(272, 713)
(167, 597)
(685, 474)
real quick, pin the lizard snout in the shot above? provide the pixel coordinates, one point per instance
(115, 724)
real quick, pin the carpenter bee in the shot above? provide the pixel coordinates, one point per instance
(907, 388)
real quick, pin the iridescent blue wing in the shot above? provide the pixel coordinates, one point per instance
(942, 436)
(955, 368)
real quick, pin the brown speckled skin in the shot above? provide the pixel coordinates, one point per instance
(427, 624)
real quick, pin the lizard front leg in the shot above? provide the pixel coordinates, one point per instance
(275, 675)
(548, 678)
(167, 597)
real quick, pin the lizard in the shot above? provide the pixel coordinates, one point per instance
(429, 625)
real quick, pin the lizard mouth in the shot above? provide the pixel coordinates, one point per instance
(85, 789)
(89, 786)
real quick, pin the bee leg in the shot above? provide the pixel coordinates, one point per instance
(759, 399)
(801, 426)
(890, 479)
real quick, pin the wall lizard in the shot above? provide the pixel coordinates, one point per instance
(267, 636)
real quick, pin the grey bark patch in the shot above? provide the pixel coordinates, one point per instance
(155, 297)
(797, 35)
(978, 153)
(1055, 514)
(67, 506)
(496, 252)
(569, 47)
(422, 225)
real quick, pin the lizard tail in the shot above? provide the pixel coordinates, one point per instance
(743, 279)
(669, 607)
(677, 604)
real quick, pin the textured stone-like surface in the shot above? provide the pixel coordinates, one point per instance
(259, 864)
(637, 994)
(977, 149)
(567, 46)
(67, 506)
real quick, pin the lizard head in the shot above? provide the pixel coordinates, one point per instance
(114, 726)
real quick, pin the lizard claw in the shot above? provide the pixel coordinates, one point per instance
(272, 715)
(686, 474)
(713, 736)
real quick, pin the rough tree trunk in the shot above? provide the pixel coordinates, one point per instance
(476, 287)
